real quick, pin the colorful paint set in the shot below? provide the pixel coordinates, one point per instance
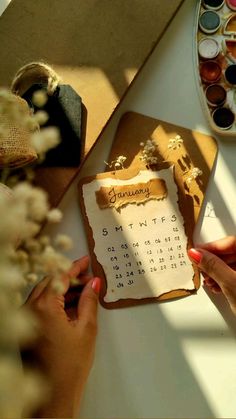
(216, 62)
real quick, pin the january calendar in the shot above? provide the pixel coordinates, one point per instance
(137, 236)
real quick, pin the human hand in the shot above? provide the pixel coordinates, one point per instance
(65, 347)
(217, 261)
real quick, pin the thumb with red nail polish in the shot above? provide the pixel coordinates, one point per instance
(195, 255)
(215, 268)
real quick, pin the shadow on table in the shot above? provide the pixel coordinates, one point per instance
(143, 372)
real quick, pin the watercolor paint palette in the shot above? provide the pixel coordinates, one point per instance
(216, 62)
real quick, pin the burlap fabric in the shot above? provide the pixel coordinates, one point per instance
(15, 145)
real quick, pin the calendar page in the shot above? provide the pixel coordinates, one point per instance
(137, 235)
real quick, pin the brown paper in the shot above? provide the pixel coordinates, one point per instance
(198, 150)
(119, 196)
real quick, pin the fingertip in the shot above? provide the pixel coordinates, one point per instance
(79, 265)
(96, 285)
(195, 255)
(82, 259)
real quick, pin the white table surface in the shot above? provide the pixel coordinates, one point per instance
(3, 5)
(176, 359)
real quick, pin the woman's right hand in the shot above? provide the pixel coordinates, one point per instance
(217, 261)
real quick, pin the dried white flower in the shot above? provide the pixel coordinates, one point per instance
(53, 262)
(44, 240)
(21, 256)
(32, 278)
(11, 277)
(32, 245)
(35, 199)
(40, 98)
(194, 174)
(54, 216)
(118, 163)
(149, 148)
(45, 139)
(31, 123)
(175, 143)
(41, 117)
(63, 242)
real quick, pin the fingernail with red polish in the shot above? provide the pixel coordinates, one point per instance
(96, 285)
(195, 255)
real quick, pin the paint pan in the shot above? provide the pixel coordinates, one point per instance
(230, 74)
(213, 4)
(216, 95)
(210, 71)
(230, 49)
(231, 4)
(215, 63)
(208, 48)
(209, 21)
(230, 25)
(223, 118)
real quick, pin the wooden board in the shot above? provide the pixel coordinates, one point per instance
(198, 150)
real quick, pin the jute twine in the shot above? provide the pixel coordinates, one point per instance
(15, 145)
(33, 73)
(15, 139)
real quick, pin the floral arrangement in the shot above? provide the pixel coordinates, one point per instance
(149, 157)
(26, 255)
(147, 153)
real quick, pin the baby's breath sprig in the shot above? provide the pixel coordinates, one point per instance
(149, 148)
(175, 143)
(118, 163)
(25, 255)
(194, 174)
(40, 98)
(44, 140)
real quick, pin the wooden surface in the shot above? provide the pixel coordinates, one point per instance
(96, 46)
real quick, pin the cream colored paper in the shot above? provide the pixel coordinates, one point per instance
(142, 248)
